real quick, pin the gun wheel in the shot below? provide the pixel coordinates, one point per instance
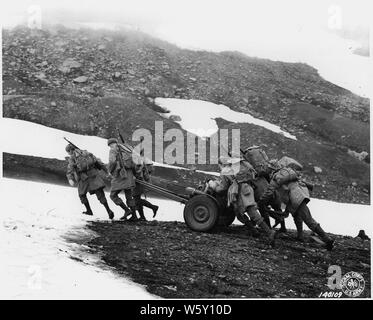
(201, 213)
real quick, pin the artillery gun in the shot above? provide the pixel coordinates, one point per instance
(203, 211)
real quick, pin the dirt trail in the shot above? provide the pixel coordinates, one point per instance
(174, 262)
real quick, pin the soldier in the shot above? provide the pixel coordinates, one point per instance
(295, 194)
(241, 193)
(143, 171)
(260, 186)
(83, 170)
(121, 167)
(262, 166)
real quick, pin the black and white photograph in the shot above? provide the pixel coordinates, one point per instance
(184, 150)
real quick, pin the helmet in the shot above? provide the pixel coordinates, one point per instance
(69, 148)
(112, 140)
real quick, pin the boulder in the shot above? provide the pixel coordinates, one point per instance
(317, 170)
(360, 156)
(175, 118)
(117, 76)
(81, 79)
(68, 65)
(290, 162)
(71, 63)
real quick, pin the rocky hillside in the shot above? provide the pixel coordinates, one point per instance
(93, 82)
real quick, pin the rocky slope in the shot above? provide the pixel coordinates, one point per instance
(93, 82)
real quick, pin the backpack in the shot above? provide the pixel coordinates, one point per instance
(85, 161)
(258, 159)
(285, 176)
(289, 162)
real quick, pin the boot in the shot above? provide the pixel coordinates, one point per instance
(251, 229)
(88, 211)
(140, 209)
(133, 215)
(270, 233)
(155, 209)
(108, 210)
(329, 243)
(127, 211)
(149, 205)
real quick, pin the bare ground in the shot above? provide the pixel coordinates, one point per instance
(175, 262)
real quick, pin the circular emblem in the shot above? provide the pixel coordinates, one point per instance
(352, 284)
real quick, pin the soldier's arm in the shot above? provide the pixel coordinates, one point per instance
(71, 171)
(112, 166)
(223, 184)
(129, 163)
(267, 196)
(100, 165)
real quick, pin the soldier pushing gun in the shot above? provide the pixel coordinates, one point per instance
(83, 171)
(122, 169)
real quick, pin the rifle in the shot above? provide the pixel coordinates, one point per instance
(74, 145)
(122, 172)
(76, 174)
(124, 146)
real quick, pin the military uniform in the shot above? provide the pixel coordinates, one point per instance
(295, 195)
(241, 195)
(143, 172)
(123, 179)
(83, 170)
(260, 186)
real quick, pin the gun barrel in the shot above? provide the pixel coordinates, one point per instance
(193, 191)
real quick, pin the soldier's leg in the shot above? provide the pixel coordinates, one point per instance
(149, 205)
(250, 226)
(264, 213)
(100, 194)
(139, 207)
(84, 200)
(283, 226)
(276, 205)
(131, 203)
(254, 215)
(305, 214)
(298, 221)
(119, 202)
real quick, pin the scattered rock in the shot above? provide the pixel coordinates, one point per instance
(81, 79)
(317, 170)
(117, 76)
(175, 118)
(362, 156)
(69, 65)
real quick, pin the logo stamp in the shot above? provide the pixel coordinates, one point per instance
(352, 284)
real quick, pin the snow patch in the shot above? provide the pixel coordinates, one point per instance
(36, 260)
(198, 117)
(36, 140)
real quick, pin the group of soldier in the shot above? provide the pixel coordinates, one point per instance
(253, 185)
(257, 187)
(123, 170)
